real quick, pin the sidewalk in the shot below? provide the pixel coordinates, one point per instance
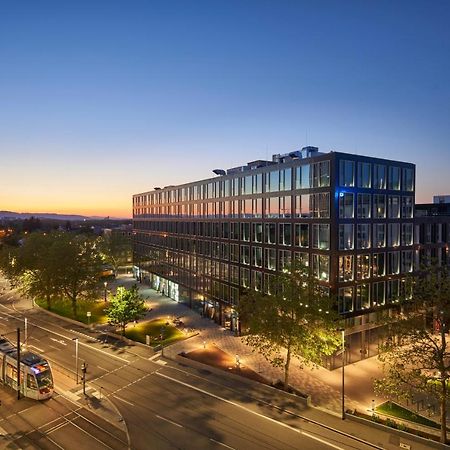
(322, 385)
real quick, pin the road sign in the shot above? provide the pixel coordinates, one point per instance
(88, 314)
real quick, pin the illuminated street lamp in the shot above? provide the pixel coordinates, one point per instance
(105, 284)
(343, 374)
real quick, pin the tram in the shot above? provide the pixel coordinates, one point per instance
(36, 380)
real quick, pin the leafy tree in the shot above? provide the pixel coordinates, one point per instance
(126, 306)
(31, 224)
(296, 320)
(32, 266)
(79, 268)
(116, 249)
(418, 360)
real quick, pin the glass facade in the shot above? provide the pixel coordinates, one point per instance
(347, 217)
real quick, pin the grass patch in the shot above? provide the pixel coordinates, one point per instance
(393, 409)
(153, 329)
(64, 308)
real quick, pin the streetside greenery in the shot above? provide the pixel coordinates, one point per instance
(53, 266)
(116, 250)
(296, 319)
(159, 330)
(125, 307)
(417, 359)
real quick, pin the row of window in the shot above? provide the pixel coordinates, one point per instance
(364, 296)
(366, 266)
(383, 235)
(376, 176)
(302, 177)
(381, 208)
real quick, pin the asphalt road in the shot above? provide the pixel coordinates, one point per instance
(165, 406)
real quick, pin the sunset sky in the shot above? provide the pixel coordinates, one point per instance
(103, 99)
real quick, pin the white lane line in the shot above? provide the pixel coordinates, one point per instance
(249, 410)
(222, 444)
(37, 348)
(59, 341)
(102, 368)
(170, 421)
(123, 400)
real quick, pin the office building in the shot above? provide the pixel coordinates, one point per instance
(348, 217)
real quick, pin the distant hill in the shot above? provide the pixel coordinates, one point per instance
(52, 216)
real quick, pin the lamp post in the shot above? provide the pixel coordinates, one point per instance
(105, 284)
(343, 374)
(26, 332)
(76, 357)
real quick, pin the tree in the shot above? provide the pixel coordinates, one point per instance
(79, 268)
(417, 360)
(126, 306)
(296, 320)
(32, 266)
(116, 249)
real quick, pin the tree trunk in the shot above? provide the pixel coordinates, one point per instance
(49, 301)
(286, 367)
(74, 307)
(444, 410)
(123, 328)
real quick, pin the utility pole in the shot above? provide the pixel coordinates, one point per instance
(84, 370)
(76, 357)
(343, 375)
(18, 363)
(26, 332)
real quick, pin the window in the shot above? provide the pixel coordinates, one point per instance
(302, 180)
(346, 173)
(257, 279)
(379, 269)
(257, 183)
(378, 297)
(286, 180)
(345, 236)
(270, 233)
(257, 232)
(393, 206)
(363, 235)
(364, 178)
(407, 207)
(284, 259)
(362, 300)
(408, 179)
(393, 265)
(407, 233)
(245, 254)
(257, 256)
(379, 206)
(270, 258)
(363, 267)
(234, 274)
(285, 206)
(379, 235)
(379, 176)
(245, 277)
(321, 236)
(285, 233)
(247, 185)
(394, 178)
(346, 205)
(320, 205)
(273, 181)
(393, 234)
(324, 173)
(302, 235)
(321, 267)
(303, 206)
(363, 206)
(257, 207)
(345, 300)
(234, 253)
(407, 261)
(346, 268)
(272, 207)
(245, 231)
(392, 291)
(234, 230)
(302, 258)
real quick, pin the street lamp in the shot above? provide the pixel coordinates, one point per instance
(76, 357)
(343, 374)
(105, 284)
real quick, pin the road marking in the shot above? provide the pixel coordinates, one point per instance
(248, 410)
(153, 357)
(37, 348)
(170, 421)
(59, 341)
(123, 400)
(221, 443)
(102, 368)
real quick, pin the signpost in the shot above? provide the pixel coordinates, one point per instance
(88, 314)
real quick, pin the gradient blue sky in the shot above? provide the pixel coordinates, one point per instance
(103, 99)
